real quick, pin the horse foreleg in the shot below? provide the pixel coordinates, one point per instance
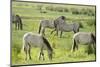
(15, 25)
(43, 31)
(61, 34)
(53, 31)
(41, 54)
(21, 26)
(29, 51)
(56, 32)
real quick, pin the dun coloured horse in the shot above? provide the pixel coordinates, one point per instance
(86, 38)
(65, 27)
(36, 40)
(50, 24)
(18, 22)
(45, 24)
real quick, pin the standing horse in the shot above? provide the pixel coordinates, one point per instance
(83, 38)
(18, 22)
(50, 24)
(45, 24)
(36, 40)
(65, 27)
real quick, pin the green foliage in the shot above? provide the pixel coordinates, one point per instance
(91, 22)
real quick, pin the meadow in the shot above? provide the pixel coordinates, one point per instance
(32, 13)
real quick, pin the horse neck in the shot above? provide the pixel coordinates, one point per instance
(49, 48)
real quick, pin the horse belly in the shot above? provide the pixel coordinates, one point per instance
(35, 42)
(68, 29)
(84, 40)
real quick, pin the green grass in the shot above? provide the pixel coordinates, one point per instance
(62, 46)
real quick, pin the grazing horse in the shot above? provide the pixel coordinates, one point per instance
(86, 38)
(36, 40)
(18, 22)
(69, 27)
(45, 24)
(50, 24)
(65, 27)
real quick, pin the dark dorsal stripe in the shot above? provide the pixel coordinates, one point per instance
(47, 43)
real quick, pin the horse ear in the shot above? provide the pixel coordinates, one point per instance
(63, 17)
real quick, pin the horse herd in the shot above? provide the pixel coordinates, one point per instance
(59, 24)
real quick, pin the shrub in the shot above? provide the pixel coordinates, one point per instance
(91, 22)
(89, 12)
(66, 10)
(75, 11)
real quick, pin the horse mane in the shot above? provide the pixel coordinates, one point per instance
(47, 43)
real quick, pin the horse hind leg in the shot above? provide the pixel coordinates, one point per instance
(93, 48)
(52, 31)
(25, 50)
(16, 25)
(21, 24)
(43, 31)
(61, 34)
(29, 51)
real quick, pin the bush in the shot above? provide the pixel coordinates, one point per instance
(81, 25)
(50, 8)
(91, 22)
(83, 11)
(87, 11)
(75, 11)
(66, 10)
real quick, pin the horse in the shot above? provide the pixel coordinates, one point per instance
(50, 24)
(45, 24)
(36, 40)
(18, 22)
(65, 27)
(85, 38)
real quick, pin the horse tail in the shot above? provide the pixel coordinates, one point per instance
(93, 37)
(74, 45)
(39, 28)
(25, 46)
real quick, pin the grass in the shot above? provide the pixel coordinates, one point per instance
(62, 46)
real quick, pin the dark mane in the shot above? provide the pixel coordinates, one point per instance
(63, 17)
(47, 43)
